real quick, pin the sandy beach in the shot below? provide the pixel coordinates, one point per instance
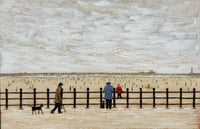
(96, 81)
(94, 117)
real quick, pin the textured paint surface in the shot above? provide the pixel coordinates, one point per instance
(100, 36)
(95, 118)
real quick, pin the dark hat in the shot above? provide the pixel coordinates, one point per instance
(108, 83)
(60, 84)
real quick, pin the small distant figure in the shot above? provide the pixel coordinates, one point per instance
(70, 88)
(108, 95)
(132, 88)
(119, 91)
(58, 98)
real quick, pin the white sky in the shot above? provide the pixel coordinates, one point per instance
(99, 36)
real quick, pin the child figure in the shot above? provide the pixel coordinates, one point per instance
(119, 91)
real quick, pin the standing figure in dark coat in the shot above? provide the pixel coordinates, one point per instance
(108, 95)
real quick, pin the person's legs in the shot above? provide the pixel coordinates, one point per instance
(59, 108)
(120, 96)
(110, 104)
(107, 101)
(55, 107)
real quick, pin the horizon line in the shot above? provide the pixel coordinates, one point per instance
(83, 73)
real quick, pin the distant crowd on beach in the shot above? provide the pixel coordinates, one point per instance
(96, 82)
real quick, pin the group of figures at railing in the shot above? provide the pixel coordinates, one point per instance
(108, 89)
(109, 99)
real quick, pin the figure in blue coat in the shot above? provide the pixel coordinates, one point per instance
(108, 95)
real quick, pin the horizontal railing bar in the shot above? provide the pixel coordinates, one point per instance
(102, 92)
(98, 104)
(116, 99)
(2, 93)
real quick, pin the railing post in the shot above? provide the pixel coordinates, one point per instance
(114, 98)
(47, 97)
(88, 97)
(74, 97)
(167, 98)
(194, 97)
(140, 97)
(6, 93)
(34, 97)
(154, 98)
(101, 97)
(20, 98)
(180, 98)
(127, 98)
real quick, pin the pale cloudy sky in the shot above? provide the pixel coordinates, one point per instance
(100, 36)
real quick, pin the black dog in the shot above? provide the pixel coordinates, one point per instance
(39, 108)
